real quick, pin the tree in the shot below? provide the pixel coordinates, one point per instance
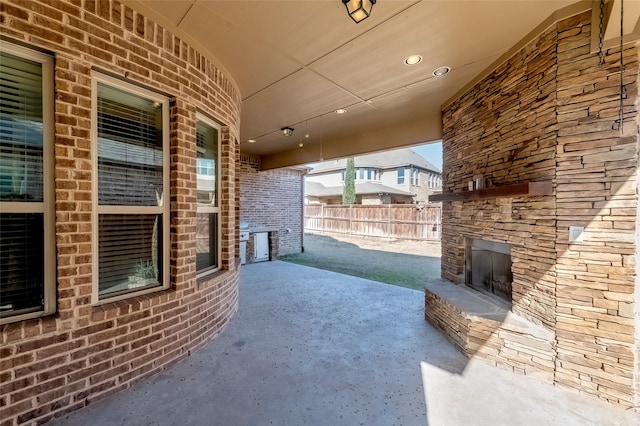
(349, 190)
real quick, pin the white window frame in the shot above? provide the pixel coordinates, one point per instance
(399, 177)
(163, 209)
(47, 206)
(415, 176)
(213, 209)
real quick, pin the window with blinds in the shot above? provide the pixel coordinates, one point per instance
(27, 266)
(207, 174)
(132, 170)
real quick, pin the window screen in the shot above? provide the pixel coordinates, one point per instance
(207, 174)
(130, 191)
(22, 262)
(22, 221)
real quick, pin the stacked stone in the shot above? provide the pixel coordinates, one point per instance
(551, 112)
(504, 130)
(596, 188)
(487, 331)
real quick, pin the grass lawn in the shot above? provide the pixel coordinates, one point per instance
(406, 264)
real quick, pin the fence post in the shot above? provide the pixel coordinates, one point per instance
(388, 220)
(350, 219)
(322, 217)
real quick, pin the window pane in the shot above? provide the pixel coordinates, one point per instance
(21, 133)
(206, 232)
(207, 162)
(130, 252)
(21, 260)
(129, 149)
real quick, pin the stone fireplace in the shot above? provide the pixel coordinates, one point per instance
(542, 128)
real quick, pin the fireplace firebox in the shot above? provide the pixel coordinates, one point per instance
(488, 267)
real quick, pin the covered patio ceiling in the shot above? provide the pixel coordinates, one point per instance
(296, 62)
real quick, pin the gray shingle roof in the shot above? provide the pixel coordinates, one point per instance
(380, 160)
(315, 189)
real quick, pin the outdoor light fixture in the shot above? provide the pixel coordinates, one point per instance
(251, 141)
(340, 111)
(412, 60)
(287, 131)
(439, 72)
(359, 10)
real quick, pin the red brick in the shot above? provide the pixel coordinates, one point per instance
(7, 388)
(34, 390)
(78, 343)
(40, 365)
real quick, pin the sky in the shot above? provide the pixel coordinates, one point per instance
(432, 152)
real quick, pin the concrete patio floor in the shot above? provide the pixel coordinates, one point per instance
(312, 347)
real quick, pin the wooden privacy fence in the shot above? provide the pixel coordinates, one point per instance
(403, 221)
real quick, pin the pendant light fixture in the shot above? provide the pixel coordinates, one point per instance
(359, 10)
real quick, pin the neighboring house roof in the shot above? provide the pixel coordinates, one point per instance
(315, 189)
(380, 160)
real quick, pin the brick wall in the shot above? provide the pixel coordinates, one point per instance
(272, 200)
(61, 362)
(551, 113)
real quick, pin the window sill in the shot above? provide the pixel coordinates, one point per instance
(25, 317)
(131, 295)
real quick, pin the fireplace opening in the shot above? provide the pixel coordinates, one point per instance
(488, 268)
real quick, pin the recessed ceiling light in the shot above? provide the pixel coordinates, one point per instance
(439, 72)
(413, 60)
(251, 141)
(340, 111)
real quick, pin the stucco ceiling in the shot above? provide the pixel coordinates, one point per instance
(295, 62)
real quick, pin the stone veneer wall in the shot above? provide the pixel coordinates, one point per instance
(550, 113)
(58, 363)
(597, 188)
(504, 128)
(272, 199)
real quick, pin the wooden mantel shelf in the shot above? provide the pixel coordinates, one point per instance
(516, 190)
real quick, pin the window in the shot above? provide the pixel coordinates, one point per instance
(415, 174)
(365, 174)
(372, 174)
(131, 163)
(400, 175)
(27, 240)
(208, 215)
